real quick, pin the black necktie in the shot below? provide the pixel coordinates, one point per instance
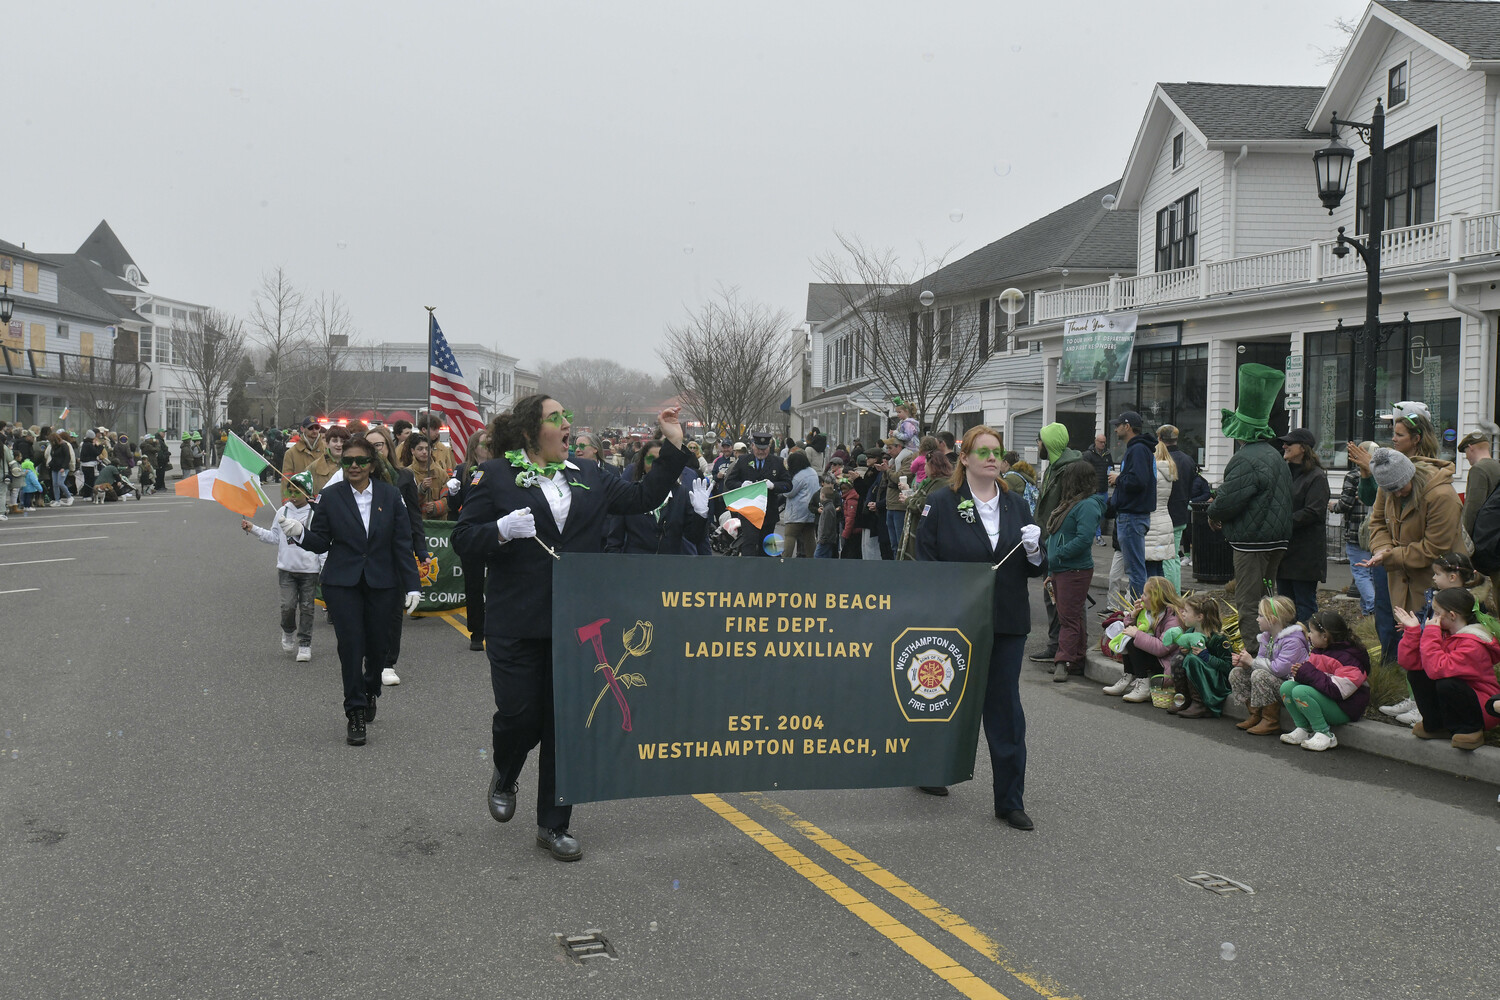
(758, 465)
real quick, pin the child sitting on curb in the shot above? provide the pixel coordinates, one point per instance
(1331, 688)
(1256, 680)
(1147, 654)
(1203, 676)
(1450, 664)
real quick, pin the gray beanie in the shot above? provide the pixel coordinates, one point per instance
(1391, 469)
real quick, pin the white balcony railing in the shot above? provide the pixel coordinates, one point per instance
(1432, 242)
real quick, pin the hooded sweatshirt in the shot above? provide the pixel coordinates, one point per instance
(1054, 438)
(1468, 655)
(292, 558)
(1135, 487)
(1339, 673)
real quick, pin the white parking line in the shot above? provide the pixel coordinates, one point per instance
(33, 562)
(53, 541)
(54, 527)
(21, 590)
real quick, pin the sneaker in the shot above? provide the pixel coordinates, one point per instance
(1296, 737)
(1409, 718)
(388, 677)
(1319, 741)
(1120, 686)
(1139, 691)
(304, 654)
(288, 641)
(1400, 708)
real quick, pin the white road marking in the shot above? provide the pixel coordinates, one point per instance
(33, 562)
(54, 527)
(22, 590)
(53, 541)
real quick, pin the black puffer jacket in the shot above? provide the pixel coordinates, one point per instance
(1307, 556)
(1348, 504)
(1254, 503)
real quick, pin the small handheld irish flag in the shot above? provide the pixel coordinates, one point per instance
(235, 483)
(749, 502)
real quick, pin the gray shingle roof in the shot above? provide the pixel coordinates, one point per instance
(87, 284)
(104, 248)
(825, 301)
(1471, 26)
(1228, 112)
(1083, 235)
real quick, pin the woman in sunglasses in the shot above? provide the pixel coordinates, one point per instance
(975, 518)
(529, 499)
(363, 526)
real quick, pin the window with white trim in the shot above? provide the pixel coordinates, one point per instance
(1395, 90)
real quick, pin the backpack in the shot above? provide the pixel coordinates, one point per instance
(1031, 493)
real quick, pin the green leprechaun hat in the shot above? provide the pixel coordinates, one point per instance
(1258, 388)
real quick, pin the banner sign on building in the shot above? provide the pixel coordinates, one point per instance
(1097, 348)
(674, 675)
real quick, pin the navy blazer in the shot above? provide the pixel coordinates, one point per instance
(518, 586)
(673, 530)
(944, 536)
(386, 556)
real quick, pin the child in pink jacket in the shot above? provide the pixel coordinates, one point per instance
(1328, 689)
(1147, 654)
(1451, 666)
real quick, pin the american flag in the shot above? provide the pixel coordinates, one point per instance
(450, 396)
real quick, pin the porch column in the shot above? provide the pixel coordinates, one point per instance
(1049, 391)
(1222, 367)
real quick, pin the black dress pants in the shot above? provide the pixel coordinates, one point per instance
(521, 675)
(362, 625)
(1005, 723)
(474, 596)
(1448, 703)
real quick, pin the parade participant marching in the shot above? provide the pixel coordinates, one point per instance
(759, 465)
(296, 570)
(974, 518)
(362, 525)
(678, 527)
(517, 509)
(380, 439)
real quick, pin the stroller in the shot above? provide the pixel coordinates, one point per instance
(725, 539)
(110, 485)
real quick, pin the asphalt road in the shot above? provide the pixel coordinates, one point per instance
(180, 817)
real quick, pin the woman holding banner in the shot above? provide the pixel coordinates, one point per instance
(521, 509)
(975, 518)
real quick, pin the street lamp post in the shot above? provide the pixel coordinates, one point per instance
(1332, 164)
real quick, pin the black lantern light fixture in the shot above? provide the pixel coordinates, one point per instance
(7, 305)
(1332, 164)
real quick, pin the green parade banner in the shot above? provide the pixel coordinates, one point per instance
(675, 675)
(443, 585)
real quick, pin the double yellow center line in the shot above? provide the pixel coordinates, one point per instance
(939, 962)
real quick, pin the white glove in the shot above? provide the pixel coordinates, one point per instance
(1031, 541)
(413, 598)
(517, 524)
(698, 497)
(453, 486)
(290, 527)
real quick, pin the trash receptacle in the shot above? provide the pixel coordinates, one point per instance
(1213, 558)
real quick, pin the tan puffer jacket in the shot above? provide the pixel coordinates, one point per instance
(1416, 530)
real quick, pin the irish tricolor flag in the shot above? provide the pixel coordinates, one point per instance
(235, 483)
(749, 502)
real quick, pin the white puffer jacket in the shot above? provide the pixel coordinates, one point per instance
(1161, 544)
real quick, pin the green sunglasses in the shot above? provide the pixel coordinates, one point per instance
(559, 418)
(984, 454)
(356, 460)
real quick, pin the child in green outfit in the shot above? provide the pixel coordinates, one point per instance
(1204, 680)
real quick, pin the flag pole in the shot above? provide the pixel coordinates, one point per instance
(431, 324)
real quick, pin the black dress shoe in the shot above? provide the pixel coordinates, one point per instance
(356, 736)
(563, 845)
(476, 644)
(941, 791)
(1017, 818)
(370, 708)
(502, 800)
(1045, 656)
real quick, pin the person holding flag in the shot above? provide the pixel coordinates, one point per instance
(296, 569)
(752, 490)
(520, 510)
(235, 483)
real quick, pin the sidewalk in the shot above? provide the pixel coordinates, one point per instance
(1378, 738)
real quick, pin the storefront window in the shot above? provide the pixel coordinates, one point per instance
(1168, 385)
(1421, 364)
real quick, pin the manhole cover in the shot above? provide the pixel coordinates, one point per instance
(1218, 884)
(589, 944)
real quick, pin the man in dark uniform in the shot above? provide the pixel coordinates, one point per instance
(759, 464)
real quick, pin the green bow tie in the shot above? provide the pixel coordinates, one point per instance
(520, 461)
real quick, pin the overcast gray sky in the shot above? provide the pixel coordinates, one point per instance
(565, 178)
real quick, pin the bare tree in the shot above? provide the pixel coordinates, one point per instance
(210, 349)
(102, 387)
(731, 360)
(600, 392)
(1329, 56)
(321, 362)
(925, 352)
(280, 321)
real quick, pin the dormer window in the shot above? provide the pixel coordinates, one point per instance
(1396, 88)
(1177, 151)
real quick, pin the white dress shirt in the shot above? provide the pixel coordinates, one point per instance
(989, 516)
(364, 499)
(559, 497)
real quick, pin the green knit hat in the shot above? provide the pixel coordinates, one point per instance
(1258, 388)
(1055, 438)
(304, 479)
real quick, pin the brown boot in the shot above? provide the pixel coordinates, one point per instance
(1250, 720)
(1270, 721)
(1468, 741)
(1195, 708)
(1421, 732)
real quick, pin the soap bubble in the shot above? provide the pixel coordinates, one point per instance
(653, 925)
(1226, 951)
(264, 203)
(926, 298)
(774, 545)
(482, 754)
(1015, 48)
(687, 250)
(955, 216)
(676, 884)
(1179, 700)
(15, 755)
(928, 57)
(1002, 168)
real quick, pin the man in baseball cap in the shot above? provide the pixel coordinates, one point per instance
(1131, 418)
(1484, 475)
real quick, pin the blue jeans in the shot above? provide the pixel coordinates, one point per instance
(895, 523)
(1131, 529)
(60, 485)
(1363, 580)
(825, 550)
(1385, 620)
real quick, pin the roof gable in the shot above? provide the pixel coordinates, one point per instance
(104, 248)
(1471, 27)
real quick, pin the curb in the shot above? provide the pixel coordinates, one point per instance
(1367, 736)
